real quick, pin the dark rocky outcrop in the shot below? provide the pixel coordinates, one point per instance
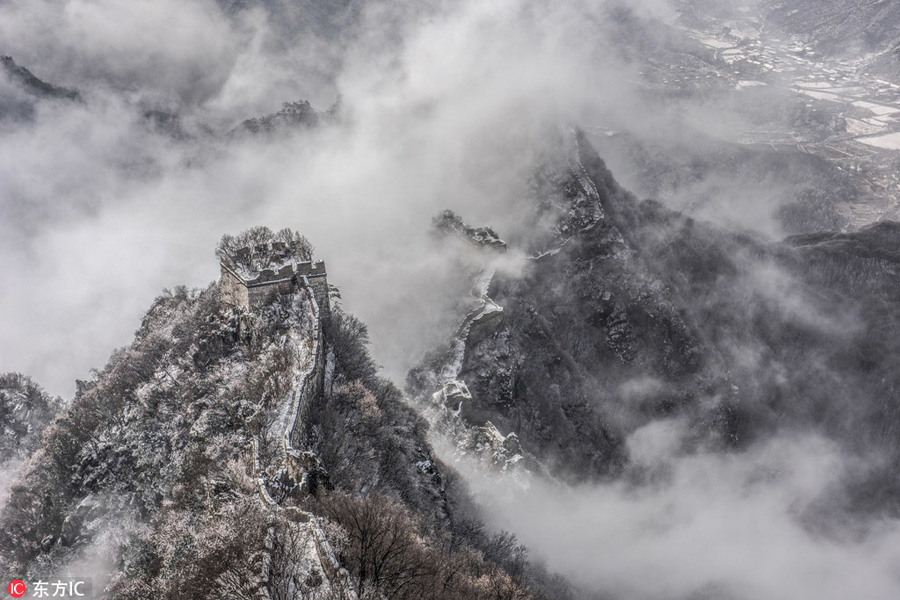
(650, 314)
(293, 116)
(33, 85)
(21, 90)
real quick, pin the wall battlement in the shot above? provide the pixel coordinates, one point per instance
(265, 285)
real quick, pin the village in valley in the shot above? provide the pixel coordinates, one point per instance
(851, 113)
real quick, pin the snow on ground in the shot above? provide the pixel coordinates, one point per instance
(859, 127)
(848, 90)
(820, 95)
(714, 43)
(878, 109)
(890, 141)
(745, 34)
(812, 85)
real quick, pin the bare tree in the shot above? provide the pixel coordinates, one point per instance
(291, 574)
(384, 555)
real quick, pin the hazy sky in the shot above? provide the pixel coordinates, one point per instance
(101, 211)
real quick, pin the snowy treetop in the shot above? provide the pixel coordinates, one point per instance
(259, 249)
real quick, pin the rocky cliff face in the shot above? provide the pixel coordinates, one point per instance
(638, 313)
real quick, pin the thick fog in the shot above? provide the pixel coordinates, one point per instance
(441, 105)
(760, 524)
(103, 208)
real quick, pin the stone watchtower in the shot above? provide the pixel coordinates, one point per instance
(258, 266)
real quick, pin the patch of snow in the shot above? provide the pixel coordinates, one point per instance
(813, 85)
(890, 141)
(820, 95)
(859, 127)
(746, 34)
(878, 109)
(714, 43)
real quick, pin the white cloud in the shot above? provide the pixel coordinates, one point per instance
(105, 213)
(707, 525)
(165, 48)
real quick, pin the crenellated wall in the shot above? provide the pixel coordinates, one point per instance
(269, 284)
(316, 278)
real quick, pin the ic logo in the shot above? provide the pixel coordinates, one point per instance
(16, 588)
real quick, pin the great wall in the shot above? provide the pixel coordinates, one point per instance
(308, 386)
(306, 282)
(300, 280)
(253, 277)
(450, 408)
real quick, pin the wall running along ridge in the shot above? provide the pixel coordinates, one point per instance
(311, 383)
(307, 386)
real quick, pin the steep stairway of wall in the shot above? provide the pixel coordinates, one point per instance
(297, 463)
